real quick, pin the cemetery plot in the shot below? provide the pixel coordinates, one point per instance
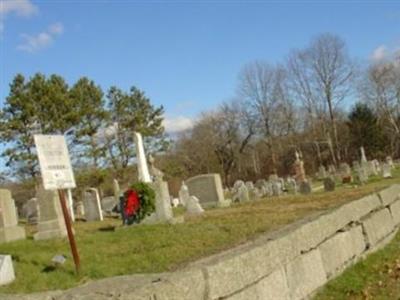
(107, 249)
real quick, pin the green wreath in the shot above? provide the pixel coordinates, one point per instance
(147, 199)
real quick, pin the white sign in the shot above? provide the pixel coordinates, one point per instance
(54, 162)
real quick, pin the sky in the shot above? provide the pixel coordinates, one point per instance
(185, 55)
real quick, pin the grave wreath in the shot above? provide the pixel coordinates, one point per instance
(146, 197)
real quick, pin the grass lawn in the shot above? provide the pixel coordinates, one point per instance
(108, 250)
(377, 277)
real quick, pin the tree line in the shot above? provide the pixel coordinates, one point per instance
(300, 104)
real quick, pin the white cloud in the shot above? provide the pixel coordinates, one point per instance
(42, 40)
(177, 124)
(379, 53)
(23, 8)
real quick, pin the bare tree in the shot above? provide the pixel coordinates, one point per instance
(262, 87)
(323, 76)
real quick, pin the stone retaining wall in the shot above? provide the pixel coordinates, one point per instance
(289, 264)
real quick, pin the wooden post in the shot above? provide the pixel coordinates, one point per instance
(71, 237)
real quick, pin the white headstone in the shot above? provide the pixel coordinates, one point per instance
(386, 170)
(143, 169)
(7, 274)
(363, 156)
(184, 194)
(193, 206)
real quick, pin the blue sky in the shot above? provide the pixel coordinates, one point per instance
(185, 55)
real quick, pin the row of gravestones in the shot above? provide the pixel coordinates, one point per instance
(363, 170)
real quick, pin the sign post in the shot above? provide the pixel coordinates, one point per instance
(57, 174)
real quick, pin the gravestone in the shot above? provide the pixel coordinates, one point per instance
(91, 201)
(116, 190)
(184, 194)
(276, 188)
(143, 170)
(241, 193)
(163, 209)
(372, 168)
(363, 156)
(31, 211)
(305, 188)
(329, 184)
(193, 206)
(9, 229)
(7, 274)
(79, 209)
(386, 170)
(208, 189)
(51, 220)
(322, 172)
(108, 204)
(362, 175)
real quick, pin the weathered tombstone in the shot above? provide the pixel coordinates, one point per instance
(249, 185)
(241, 193)
(7, 274)
(183, 194)
(276, 188)
(372, 168)
(208, 189)
(163, 209)
(79, 209)
(386, 170)
(9, 229)
(116, 190)
(193, 206)
(91, 201)
(273, 177)
(363, 156)
(255, 194)
(377, 166)
(322, 172)
(108, 204)
(51, 221)
(329, 184)
(31, 211)
(305, 188)
(362, 175)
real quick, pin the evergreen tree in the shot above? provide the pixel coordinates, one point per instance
(365, 130)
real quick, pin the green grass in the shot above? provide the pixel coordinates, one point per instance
(377, 277)
(107, 249)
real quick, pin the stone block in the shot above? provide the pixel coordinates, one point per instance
(390, 194)
(182, 285)
(305, 274)
(378, 226)
(395, 211)
(254, 262)
(6, 270)
(341, 249)
(272, 287)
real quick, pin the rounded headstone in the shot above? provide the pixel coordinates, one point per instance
(329, 184)
(305, 188)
